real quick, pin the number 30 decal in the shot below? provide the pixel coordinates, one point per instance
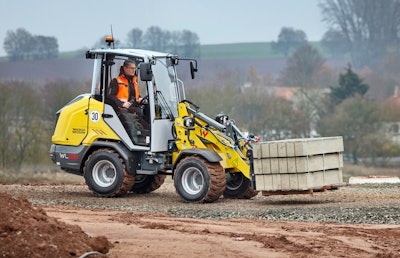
(94, 116)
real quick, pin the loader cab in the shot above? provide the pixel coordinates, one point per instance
(150, 128)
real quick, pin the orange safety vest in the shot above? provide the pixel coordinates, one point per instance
(123, 89)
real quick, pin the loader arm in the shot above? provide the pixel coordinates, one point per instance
(195, 130)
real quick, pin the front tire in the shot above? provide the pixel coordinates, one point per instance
(197, 180)
(106, 175)
(238, 187)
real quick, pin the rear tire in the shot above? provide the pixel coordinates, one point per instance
(147, 183)
(197, 180)
(106, 175)
(238, 187)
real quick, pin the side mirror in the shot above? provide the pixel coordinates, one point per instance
(146, 74)
(90, 55)
(193, 68)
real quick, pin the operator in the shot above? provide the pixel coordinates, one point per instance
(124, 90)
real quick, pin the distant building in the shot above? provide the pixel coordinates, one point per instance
(285, 92)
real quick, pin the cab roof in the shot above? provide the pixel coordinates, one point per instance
(145, 54)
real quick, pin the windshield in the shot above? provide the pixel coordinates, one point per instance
(166, 83)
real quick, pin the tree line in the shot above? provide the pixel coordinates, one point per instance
(21, 45)
(183, 43)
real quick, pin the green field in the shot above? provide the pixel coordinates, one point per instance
(238, 50)
(246, 50)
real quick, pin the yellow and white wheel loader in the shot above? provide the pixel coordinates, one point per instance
(207, 157)
(117, 154)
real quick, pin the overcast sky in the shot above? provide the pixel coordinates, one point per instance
(80, 23)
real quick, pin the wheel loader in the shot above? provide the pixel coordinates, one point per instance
(167, 135)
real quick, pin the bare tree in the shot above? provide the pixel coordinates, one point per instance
(356, 119)
(253, 77)
(289, 39)
(23, 126)
(45, 47)
(218, 102)
(18, 44)
(190, 44)
(370, 27)
(5, 118)
(57, 93)
(156, 39)
(335, 43)
(135, 38)
(301, 67)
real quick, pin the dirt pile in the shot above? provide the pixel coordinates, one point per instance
(27, 231)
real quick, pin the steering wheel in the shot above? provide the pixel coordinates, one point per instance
(144, 100)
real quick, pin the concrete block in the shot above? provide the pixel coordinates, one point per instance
(283, 165)
(299, 181)
(314, 146)
(293, 181)
(274, 166)
(276, 182)
(258, 166)
(304, 181)
(285, 181)
(318, 162)
(266, 163)
(262, 166)
(298, 147)
(273, 149)
(264, 182)
(282, 150)
(265, 150)
(291, 165)
(257, 150)
(298, 164)
(290, 149)
(260, 184)
(327, 177)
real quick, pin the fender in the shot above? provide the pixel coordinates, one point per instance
(209, 155)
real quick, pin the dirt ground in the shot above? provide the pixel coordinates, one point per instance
(55, 230)
(158, 235)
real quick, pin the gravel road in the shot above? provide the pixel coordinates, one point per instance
(356, 204)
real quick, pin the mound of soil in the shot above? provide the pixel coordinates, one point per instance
(27, 231)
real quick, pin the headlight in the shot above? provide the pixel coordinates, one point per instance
(188, 121)
(222, 119)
